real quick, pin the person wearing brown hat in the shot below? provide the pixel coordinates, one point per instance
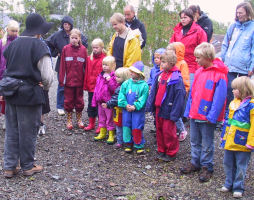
(28, 60)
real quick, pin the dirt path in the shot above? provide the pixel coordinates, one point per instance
(76, 167)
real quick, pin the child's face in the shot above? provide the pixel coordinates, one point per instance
(134, 76)
(236, 93)
(106, 68)
(74, 39)
(97, 49)
(119, 79)
(165, 65)
(13, 32)
(157, 59)
(202, 61)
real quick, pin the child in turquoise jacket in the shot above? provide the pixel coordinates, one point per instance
(132, 98)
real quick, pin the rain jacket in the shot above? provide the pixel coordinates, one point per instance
(173, 99)
(238, 133)
(237, 50)
(141, 89)
(72, 66)
(104, 89)
(207, 99)
(156, 68)
(195, 36)
(206, 24)
(182, 65)
(2, 59)
(93, 69)
(132, 50)
(58, 40)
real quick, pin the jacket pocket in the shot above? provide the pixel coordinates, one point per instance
(240, 137)
(204, 107)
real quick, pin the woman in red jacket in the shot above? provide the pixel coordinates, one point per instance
(93, 69)
(71, 76)
(191, 35)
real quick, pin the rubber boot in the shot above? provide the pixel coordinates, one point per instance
(102, 135)
(98, 130)
(79, 119)
(69, 121)
(111, 137)
(91, 124)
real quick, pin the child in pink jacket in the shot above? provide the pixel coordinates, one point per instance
(104, 89)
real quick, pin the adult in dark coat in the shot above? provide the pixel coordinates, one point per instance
(56, 42)
(203, 20)
(132, 22)
(27, 59)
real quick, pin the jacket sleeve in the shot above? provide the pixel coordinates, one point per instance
(86, 74)
(141, 101)
(114, 99)
(186, 75)
(150, 80)
(122, 101)
(219, 98)
(172, 39)
(133, 52)
(209, 31)
(94, 103)
(62, 69)
(51, 42)
(112, 84)
(202, 37)
(250, 139)
(84, 41)
(143, 32)
(178, 102)
(188, 105)
(252, 55)
(225, 43)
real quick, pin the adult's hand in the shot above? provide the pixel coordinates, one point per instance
(250, 73)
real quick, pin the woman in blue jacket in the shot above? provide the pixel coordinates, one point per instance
(237, 51)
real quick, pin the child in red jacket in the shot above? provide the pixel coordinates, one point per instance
(93, 69)
(71, 76)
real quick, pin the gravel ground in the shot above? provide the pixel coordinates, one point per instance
(76, 167)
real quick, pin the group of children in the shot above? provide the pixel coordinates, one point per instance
(122, 97)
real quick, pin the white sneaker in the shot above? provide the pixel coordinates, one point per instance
(224, 189)
(42, 130)
(60, 112)
(237, 194)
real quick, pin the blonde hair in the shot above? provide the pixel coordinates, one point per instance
(205, 50)
(123, 73)
(99, 42)
(117, 17)
(244, 85)
(171, 47)
(12, 24)
(78, 32)
(170, 57)
(110, 61)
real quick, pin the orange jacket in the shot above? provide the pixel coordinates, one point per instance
(182, 65)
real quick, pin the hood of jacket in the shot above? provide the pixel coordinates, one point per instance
(180, 50)
(219, 66)
(203, 17)
(67, 19)
(158, 51)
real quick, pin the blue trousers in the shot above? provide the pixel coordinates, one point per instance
(22, 125)
(202, 144)
(235, 167)
(119, 134)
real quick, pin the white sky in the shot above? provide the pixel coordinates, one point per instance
(219, 10)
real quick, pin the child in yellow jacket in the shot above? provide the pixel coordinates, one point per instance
(238, 135)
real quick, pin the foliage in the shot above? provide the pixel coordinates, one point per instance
(219, 28)
(159, 21)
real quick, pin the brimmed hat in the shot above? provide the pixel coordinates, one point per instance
(138, 67)
(35, 24)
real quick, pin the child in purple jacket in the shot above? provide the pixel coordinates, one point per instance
(11, 34)
(104, 89)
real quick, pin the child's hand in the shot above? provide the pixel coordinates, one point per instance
(40, 84)
(108, 78)
(133, 108)
(104, 105)
(128, 108)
